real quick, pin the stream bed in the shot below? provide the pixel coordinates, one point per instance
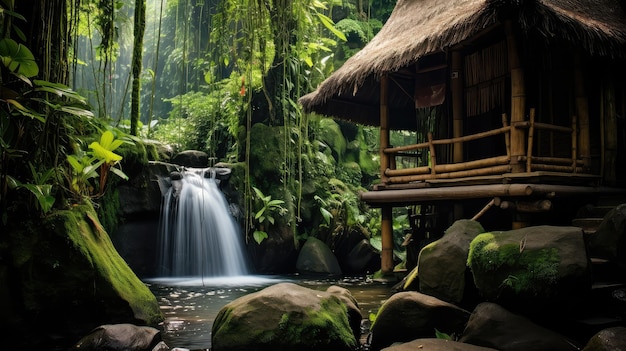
(190, 305)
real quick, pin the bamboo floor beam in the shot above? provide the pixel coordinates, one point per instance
(419, 195)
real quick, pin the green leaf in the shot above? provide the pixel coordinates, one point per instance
(118, 172)
(104, 154)
(441, 335)
(58, 89)
(260, 213)
(18, 58)
(259, 236)
(274, 203)
(326, 214)
(76, 165)
(328, 23)
(77, 111)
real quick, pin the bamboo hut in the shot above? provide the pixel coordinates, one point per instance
(525, 102)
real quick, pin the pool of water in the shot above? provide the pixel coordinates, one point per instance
(190, 305)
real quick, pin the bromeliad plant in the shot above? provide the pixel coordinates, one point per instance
(95, 164)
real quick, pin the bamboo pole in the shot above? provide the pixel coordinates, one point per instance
(574, 144)
(484, 210)
(610, 133)
(582, 111)
(405, 196)
(518, 99)
(452, 175)
(465, 138)
(433, 156)
(386, 255)
(531, 133)
(485, 191)
(408, 171)
(384, 127)
(457, 103)
(451, 167)
(556, 168)
(507, 134)
(556, 160)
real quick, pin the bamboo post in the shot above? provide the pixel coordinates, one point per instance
(610, 133)
(457, 103)
(384, 128)
(518, 100)
(582, 111)
(507, 135)
(431, 149)
(531, 133)
(386, 229)
(574, 144)
(386, 255)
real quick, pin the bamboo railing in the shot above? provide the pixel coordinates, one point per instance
(496, 164)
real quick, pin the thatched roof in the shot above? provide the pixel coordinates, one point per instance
(417, 28)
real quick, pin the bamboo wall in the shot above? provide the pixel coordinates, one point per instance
(485, 79)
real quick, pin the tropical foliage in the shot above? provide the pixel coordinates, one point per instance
(223, 77)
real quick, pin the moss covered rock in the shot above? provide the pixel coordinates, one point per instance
(286, 317)
(534, 267)
(442, 264)
(69, 268)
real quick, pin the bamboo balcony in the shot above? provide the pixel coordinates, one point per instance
(498, 163)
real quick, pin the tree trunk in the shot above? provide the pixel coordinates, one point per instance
(138, 31)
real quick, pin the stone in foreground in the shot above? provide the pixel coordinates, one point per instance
(287, 317)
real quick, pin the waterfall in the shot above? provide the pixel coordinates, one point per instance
(198, 236)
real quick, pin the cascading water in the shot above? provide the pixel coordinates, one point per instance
(198, 235)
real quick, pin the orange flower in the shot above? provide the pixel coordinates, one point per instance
(242, 91)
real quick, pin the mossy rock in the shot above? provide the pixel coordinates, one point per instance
(69, 267)
(286, 317)
(531, 266)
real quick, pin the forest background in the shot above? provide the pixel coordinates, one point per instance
(86, 84)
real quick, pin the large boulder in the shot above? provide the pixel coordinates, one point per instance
(610, 339)
(442, 264)
(192, 159)
(121, 337)
(609, 240)
(435, 345)
(317, 258)
(72, 278)
(492, 326)
(531, 269)
(287, 317)
(411, 315)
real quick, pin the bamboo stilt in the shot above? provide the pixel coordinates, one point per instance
(457, 104)
(384, 128)
(518, 99)
(574, 144)
(582, 111)
(386, 255)
(531, 133)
